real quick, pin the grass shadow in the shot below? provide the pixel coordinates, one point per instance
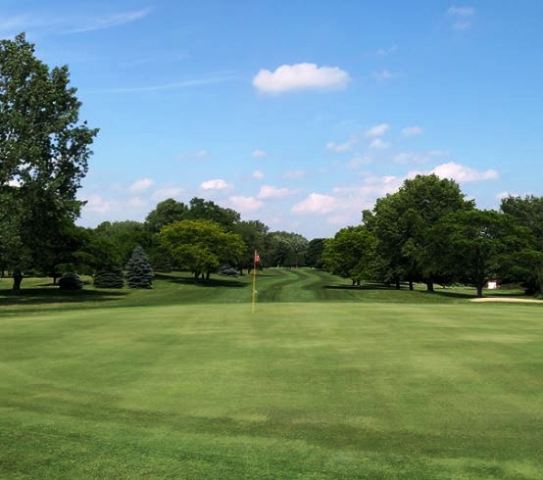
(212, 282)
(35, 296)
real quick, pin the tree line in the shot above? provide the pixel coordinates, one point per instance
(425, 232)
(429, 232)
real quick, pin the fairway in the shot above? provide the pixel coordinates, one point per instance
(323, 382)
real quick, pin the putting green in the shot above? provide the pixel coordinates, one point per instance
(321, 383)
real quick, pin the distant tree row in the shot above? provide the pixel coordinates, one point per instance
(428, 232)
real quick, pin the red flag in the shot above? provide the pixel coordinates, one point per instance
(257, 258)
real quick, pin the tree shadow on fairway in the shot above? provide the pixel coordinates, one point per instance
(38, 296)
(366, 286)
(212, 282)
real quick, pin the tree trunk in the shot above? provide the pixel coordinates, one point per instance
(411, 285)
(430, 286)
(208, 274)
(480, 290)
(17, 280)
(398, 286)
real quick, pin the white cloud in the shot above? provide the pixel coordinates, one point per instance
(412, 131)
(461, 11)
(141, 185)
(300, 76)
(461, 16)
(460, 173)
(245, 204)
(341, 147)
(377, 130)
(215, 184)
(379, 144)
(269, 191)
(166, 192)
(97, 204)
(259, 153)
(258, 174)
(113, 20)
(316, 203)
(502, 195)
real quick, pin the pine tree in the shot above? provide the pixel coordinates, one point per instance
(109, 278)
(70, 281)
(138, 270)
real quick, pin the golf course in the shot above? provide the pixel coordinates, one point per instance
(324, 381)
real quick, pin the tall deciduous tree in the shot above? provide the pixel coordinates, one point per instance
(528, 211)
(403, 222)
(201, 246)
(351, 254)
(477, 245)
(44, 148)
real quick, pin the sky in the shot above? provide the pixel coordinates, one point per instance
(296, 113)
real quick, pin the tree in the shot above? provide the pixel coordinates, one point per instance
(166, 212)
(124, 236)
(403, 221)
(477, 245)
(110, 278)
(528, 211)
(253, 234)
(287, 249)
(201, 246)
(201, 209)
(44, 148)
(351, 254)
(139, 273)
(315, 249)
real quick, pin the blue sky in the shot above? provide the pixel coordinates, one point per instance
(297, 113)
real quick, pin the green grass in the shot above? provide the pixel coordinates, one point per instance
(182, 382)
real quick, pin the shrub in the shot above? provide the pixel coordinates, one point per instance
(109, 278)
(70, 281)
(138, 270)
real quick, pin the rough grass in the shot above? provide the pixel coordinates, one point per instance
(321, 383)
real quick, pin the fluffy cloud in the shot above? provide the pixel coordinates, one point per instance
(97, 204)
(379, 144)
(300, 76)
(412, 131)
(215, 184)
(245, 204)
(259, 153)
(345, 202)
(316, 203)
(377, 130)
(269, 191)
(258, 174)
(141, 185)
(460, 173)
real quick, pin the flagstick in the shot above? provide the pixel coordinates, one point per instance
(254, 283)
